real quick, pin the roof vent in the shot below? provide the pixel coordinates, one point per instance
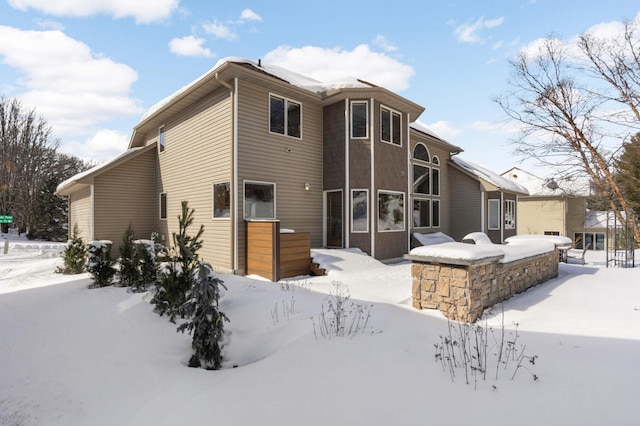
(552, 185)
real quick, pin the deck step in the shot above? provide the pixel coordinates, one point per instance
(316, 269)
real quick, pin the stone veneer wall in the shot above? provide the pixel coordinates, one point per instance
(463, 292)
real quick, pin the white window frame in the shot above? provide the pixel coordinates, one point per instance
(493, 209)
(434, 203)
(213, 201)
(244, 200)
(509, 213)
(162, 138)
(166, 206)
(286, 116)
(404, 210)
(366, 114)
(391, 113)
(353, 230)
(413, 178)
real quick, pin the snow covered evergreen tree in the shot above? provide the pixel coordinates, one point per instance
(99, 263)
(207, 321)
(146, 253)
(128, 272)
(75, 255)
(179, 273)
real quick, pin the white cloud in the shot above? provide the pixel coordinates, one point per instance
(143, 11)
(325, 64)
(506, 44)
(250, 15)
(384, 44)
(190, 46)
(47, 24)
(219, 30)
(102, 146)
(70, 86)
(444, 129)
(470, 33)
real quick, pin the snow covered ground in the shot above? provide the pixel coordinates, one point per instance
(70, 355)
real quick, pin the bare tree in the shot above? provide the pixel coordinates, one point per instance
(576, 105)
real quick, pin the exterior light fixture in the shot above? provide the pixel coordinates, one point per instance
(307, 186)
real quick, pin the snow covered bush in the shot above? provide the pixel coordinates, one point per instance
(207, 321)
(75, 255)
(99, 263)
(128, 271)
(146, 254)
(178, 274)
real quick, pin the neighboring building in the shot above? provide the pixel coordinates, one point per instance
(558, 208)
(344, 162)
(483, 202)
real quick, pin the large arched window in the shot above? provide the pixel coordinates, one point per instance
(426, 188)
(420, 152)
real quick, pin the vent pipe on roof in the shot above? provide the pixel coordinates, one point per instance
(259, 62)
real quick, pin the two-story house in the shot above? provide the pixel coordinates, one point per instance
(344, 162)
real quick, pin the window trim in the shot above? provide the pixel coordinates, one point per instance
(404, 210)
(434, 203)
(162, 139)
(166, 206)
(413, 179)
(391, 112)
(286, 116)
(435, 170)
(213, 200)
(428, 200)
(366, 191)
(244, 199)
(420, 160)
(495, 202)
(366, 125)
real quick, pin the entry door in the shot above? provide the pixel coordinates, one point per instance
(334, 219)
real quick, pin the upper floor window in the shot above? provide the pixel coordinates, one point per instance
(161, 139)
(390, 126)
(285, 116)
(359, 120)
(420, 152)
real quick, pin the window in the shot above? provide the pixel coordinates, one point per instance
(359, 210)
(420, 152)
(222, 200)
(259, 200)
(435, 213)
(552, 233)
(435, 161)
(359, 124)
(596, 240)
(494, 214)
(435, 181)
(161, 139)
(421, 213)
(390, 126)
(421, 183)
(163, 205)
(285, 116)
(509, 214)
(390, 211)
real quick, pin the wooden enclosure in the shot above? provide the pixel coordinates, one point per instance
(274, 255)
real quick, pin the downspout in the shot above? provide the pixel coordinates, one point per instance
(482, 208)
(501, 210)
(234, 165)
(92, 221)
(347, 175)
(409, 205)
(373, 202)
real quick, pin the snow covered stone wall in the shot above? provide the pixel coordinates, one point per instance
(463, 286)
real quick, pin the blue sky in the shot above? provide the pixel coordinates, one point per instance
(92, 68)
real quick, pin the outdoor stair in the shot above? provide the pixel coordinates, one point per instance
(316, 269)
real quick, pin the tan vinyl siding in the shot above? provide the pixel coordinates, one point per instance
(123, 195)
(288, 162)
(576, 212)
(541, 214)
(198, 153)
(80, 213)
(465, 204)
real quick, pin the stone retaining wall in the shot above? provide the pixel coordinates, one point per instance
(463, 291)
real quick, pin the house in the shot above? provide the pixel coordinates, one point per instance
(345, 162)
(484, 201)
(558, 208)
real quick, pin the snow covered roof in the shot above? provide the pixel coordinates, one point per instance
(489, 176)
(100, 168)
(539, 187)
(598, 219)
(424, 129)
(291, 77)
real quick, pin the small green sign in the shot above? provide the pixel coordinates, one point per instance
(4, 218)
